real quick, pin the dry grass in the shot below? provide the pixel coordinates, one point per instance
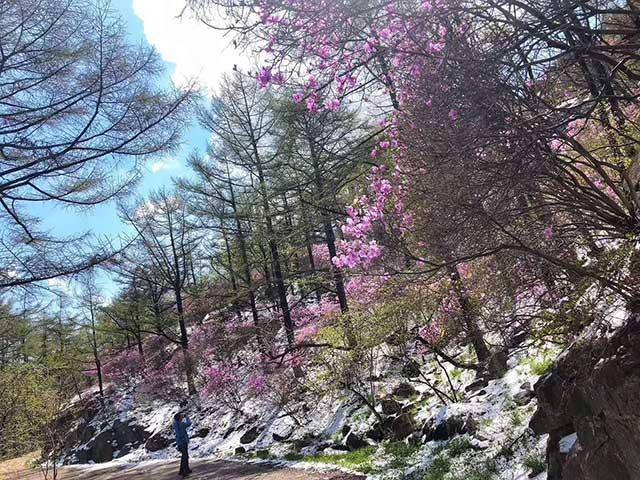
(18, 468)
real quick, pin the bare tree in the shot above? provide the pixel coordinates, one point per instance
(166, 235)
(79, 112)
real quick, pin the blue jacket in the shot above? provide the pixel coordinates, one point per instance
(182, 437)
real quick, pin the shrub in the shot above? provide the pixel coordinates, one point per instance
(535, 463)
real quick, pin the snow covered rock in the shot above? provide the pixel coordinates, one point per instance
(448, 423)
(250, 435)
(353, 441)
(158, 441)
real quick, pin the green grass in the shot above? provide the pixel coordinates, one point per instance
(476, 474)
(535, 463)
(540, 364)
(263, 454)
(400, 453)
(293, 456)
(438, 468)
(515, 417)
(458, 446)
(359, 460)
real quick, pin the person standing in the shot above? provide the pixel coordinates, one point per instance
(180, 426)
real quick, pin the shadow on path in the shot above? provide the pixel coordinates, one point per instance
(202, 470)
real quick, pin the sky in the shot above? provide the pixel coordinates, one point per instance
(190, 50)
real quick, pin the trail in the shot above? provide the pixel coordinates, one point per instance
(203, 469)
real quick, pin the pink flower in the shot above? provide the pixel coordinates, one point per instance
(312, 104)
(297, 97)
(555, 145)
(548, 233)
(332, 105)
(264, 77)
(453, 115)
(385, 33)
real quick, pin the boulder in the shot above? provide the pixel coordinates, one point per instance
(128, 433)
(240, 450)
(158, 441)
(115, 438)
(282, 435)
(98, 450)
(300, 443)
(390, 406)
(477, 384)
(445, 425)
(376, 432)
(250, 435)
(203, 432)
(411, 369)
(523, 397)
(404, 390)
(402, 426)
(589, 404)
(353, 441)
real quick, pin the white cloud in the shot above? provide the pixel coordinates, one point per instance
(165, 164)
(198, 51)
(59, 283)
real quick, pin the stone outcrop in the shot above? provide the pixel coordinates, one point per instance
(115, 441)
(158, 441)
(589, 404)
(447, 424)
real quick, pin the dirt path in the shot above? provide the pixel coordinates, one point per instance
(202, 470)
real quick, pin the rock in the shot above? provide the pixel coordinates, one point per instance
(203, 432)
(477, 384)
(282, 435)
(517, 338)
(354, 442)
(496, 366)
(402, 426)
(114, 438)
(411, 369)
(345, 430)
(390, 406)
(250, 435)
(300, 443)
(444, 426)
(376, 433)
(99, 449)
(589, 404)
(128, 433)
(404, 390)
(337, 447)
(157, 441)
(523, 397)
(240, 450)
(478, 444)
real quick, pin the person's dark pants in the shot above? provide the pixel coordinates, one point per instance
(184, 460)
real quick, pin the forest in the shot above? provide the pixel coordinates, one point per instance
(409, 250)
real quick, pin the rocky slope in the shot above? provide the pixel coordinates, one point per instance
(414, 433)
(589, 404)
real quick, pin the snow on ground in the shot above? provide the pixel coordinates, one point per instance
(500, 422)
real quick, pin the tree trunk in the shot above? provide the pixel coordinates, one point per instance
(469, 317)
